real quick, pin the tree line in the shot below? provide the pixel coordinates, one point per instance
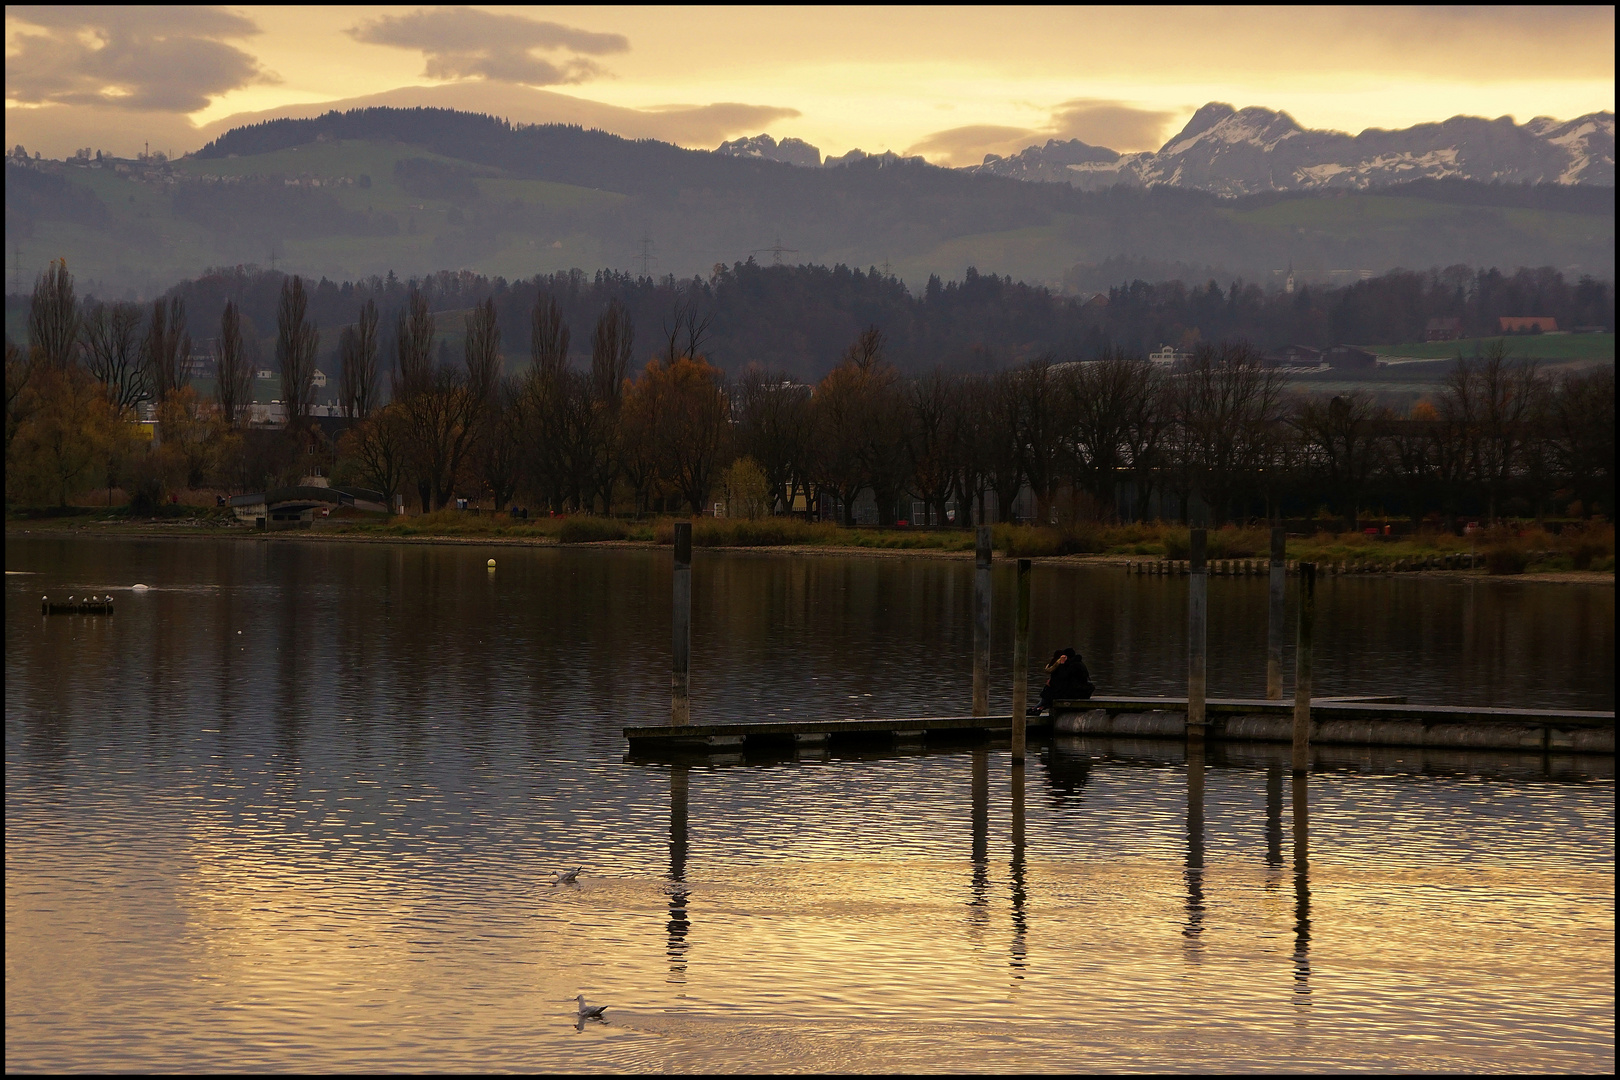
(1222, 434)
(798, 319)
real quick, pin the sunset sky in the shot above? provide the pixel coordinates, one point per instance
(951, 84)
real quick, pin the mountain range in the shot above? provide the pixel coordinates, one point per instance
(413, 191)
(1234, 152)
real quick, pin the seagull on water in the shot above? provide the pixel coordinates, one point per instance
(590, 1012)
(570, 877)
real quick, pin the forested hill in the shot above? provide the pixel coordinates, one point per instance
(416, 190)
(798, 320)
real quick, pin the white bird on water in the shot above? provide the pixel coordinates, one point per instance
(570, 877)
(590, 1012)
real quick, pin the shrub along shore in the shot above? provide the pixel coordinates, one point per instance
(1504, 550)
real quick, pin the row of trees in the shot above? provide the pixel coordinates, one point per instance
(798, 319)
(1112, 436)
(1117, 436)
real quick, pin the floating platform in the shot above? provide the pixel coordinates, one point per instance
(810, 733)
(1346, 721)
(1355, 721)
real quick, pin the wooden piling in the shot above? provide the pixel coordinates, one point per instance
(1020, 691)
(1302, 667)
(680, 708)
(1197, 619)
(981, 622)
(1274, 624)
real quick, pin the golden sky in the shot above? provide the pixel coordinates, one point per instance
(950, 83)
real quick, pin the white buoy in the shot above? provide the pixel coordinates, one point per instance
(491, 564)
(137, 588)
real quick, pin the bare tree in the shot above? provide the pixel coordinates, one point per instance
(297, 341)
(932, 449)
(380, 445)
(53, 319)
(112, 352)
(357, 351)
(1229, 417)
(1342, 437)
(1041, 419)
(1582, 436)
(232, 367)
(166, 351)
(773, 428)
(482, 349)
(548, 337)
(612, 343)
(1114, 423)
(413, 346)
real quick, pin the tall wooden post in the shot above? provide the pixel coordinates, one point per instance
(981, 623)
(1274, 625)
(1021, 663)
(1302, 668)
(680, 708)
(1197, 619)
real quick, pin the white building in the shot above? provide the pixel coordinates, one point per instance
(1168, 355)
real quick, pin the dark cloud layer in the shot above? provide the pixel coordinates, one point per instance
(164, 59)
(461, 43)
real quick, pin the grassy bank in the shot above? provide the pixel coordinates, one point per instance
(1505, 550)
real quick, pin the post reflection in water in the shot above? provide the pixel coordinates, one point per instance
(679, 924)
(1195, 848)
(979, 905)
(1020, 921)
(1302, 895)
(1274, 857)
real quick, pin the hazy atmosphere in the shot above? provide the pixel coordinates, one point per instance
(810, 540)
(950, 85)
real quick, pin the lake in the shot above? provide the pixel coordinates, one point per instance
(299, 806)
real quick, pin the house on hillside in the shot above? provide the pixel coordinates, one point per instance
(1349, 358)
(1169, 355)
(1449, 328)
(1528, 324)
(1292, 356)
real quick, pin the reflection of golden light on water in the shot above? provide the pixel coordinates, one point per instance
(288, 946)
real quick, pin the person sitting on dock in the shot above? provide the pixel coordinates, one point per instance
(1068, 680)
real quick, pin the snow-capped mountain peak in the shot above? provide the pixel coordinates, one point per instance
(1232, 151)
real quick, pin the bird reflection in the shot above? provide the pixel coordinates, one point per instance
(1302, 896)
(1016, 872)
(679, 925)
(981, 838)
(1195, 848)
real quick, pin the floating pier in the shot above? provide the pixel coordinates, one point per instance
(813, 733)
(1345, 721)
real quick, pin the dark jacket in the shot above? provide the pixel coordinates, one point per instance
(1070, 679)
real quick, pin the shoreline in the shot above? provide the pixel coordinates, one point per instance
(195, 531)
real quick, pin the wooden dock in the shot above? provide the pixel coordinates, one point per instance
(1347, 721)
(1364, 720)
(909, 729)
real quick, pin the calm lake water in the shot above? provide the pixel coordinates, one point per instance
(298, 807)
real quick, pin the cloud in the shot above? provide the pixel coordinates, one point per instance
(1113, 124)
(1110, 123)
(464, 43)
(967, 145)
(169, 59)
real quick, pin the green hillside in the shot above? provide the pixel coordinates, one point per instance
(1552, 348)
